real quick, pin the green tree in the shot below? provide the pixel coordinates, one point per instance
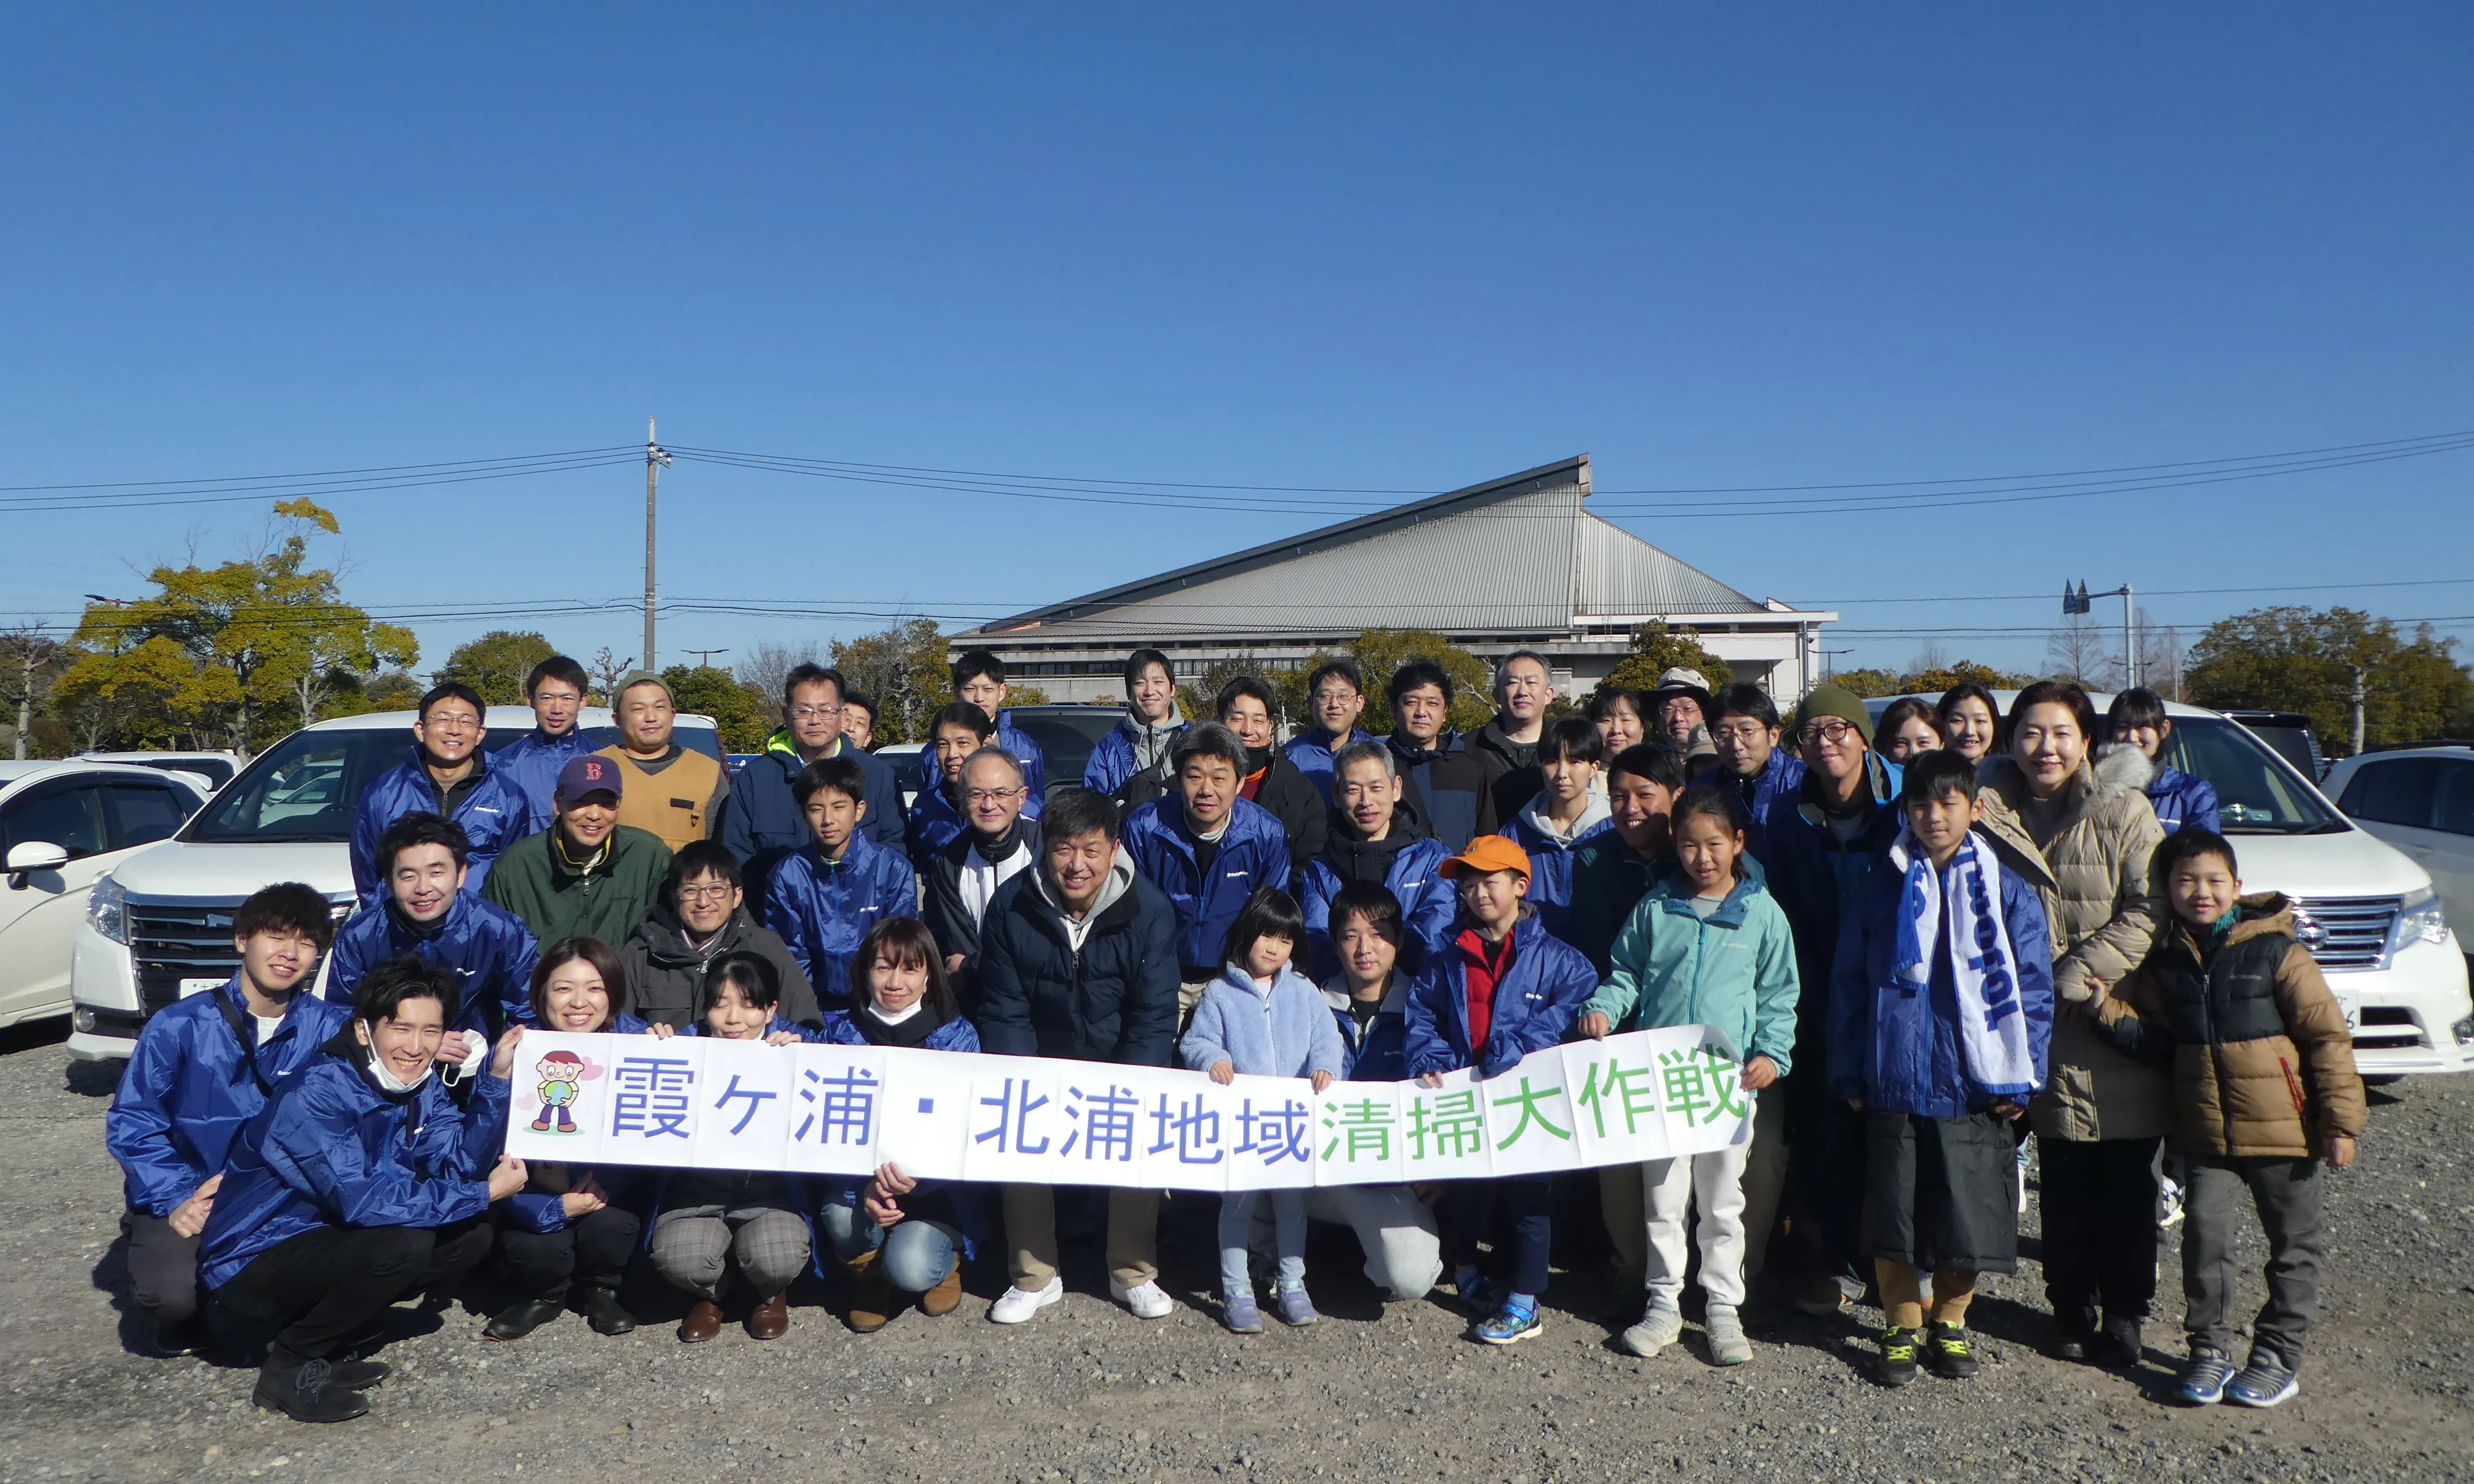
(2303, 659)
(1657, 649)
(496, 663)
(738, 713)
(907, 670)
(1927, 682)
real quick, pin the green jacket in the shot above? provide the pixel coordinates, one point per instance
(557, 900)
(1736, 971)
(1608, 880)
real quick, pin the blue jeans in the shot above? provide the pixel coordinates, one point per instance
(915, 1255)
(1288, 1237)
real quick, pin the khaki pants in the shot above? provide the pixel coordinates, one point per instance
(1624, 1208)
(1031, 1232)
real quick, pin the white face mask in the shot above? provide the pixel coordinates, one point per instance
(389, 1081)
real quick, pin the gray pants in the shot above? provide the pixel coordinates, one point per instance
(694, 1246)
(2288, 1197)
(1403, 1255)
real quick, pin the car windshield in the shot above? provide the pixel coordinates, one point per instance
(1065, 737)
(2257, 794)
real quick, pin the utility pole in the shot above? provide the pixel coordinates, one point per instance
(25, 696)
(704, 657)
(1829, 669)
(2077, 602)
(2353, 698)
(655, 460)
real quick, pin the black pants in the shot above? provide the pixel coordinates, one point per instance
(324, 1286)
(2098, 1205)
(162, 1268)
(595, 1246)
(1825, 1184)
(1528, 1200)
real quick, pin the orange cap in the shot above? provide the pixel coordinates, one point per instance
(1485, 854)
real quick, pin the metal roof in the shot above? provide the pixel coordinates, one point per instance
(1516, 554)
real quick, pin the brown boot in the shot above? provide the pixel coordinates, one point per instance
(702, 1324)
(872, 1299)
(768, 1319)
(947, 1296)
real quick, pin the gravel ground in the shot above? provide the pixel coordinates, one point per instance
(1085, 1391)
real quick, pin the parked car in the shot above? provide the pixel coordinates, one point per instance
(2421, 800)
(2366, 911)
(158, 925)
(904, 758)
(1066, 735)
(215, 768)
(2290, 733)
(62, 826)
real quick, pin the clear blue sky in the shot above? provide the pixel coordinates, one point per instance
(1387, 248)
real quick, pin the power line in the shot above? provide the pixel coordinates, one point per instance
(323, 474)
(154, 499)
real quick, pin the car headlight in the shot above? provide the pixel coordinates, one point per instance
(106, 910)
(2421, 921)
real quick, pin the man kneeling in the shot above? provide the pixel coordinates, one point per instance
(362, 1182)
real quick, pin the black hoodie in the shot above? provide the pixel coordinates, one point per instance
(666, 973)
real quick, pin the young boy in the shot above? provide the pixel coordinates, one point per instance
(203, 1067)
(1566, 813)
(1503, 987)
(823, 900)
(1941, 1009)
(2264, 1082)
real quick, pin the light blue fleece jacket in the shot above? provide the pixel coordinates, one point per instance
(1282, 1028)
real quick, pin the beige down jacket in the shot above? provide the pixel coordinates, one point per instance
(2106, 911)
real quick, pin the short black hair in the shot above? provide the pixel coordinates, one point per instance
(588, 950)
(1269, 912)
(1371, 900)
(1243, 686)
(560, 668)
(1572, 738)
(2069, 694)
(974, 662)
(842, 774)
(862, 700)
(1602, 702)
(1206, 739)
(2138, 706)
(421, 827)
(1907, 709)
(452, 691)
(1416, 671)
(1340, 665)
(2191, 843)
(911, 945)
(1934, 775)
(751, 974)
(812, 673)
(964, 715)
(287, 907)
(1076, 811)
(1655, 762)
(1142, 660)
(701, 858)
(1744, 698)
(1710, 798)
(390, 981)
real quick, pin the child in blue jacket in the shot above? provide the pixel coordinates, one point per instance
(1265, 1019)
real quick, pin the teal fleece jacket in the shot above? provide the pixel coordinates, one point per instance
(1736, 971)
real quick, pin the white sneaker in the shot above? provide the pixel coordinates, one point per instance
(1148, 1301)
(1016, 1304)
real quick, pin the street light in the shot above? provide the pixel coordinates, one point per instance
(2074, 603)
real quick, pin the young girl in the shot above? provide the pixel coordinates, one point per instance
(893, 1232)
(1708, 946)
(756, 1219)
(1265, 1019)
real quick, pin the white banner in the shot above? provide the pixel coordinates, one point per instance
(690, 1102)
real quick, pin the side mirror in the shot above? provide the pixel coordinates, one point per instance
(34, 855)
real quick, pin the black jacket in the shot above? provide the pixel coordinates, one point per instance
(1452, 789)
(1113, 1001)
(1518, 777)
(1300, 808)
(949, 917)
(666, 976)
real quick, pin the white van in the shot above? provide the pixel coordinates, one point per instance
(2366, 911)
(158, 926)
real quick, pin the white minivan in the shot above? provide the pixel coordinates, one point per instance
(2366, 911)
(158, 925)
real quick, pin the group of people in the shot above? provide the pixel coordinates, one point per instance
(1925, 936)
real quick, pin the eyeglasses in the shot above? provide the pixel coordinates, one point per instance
(452, 722)
(1826, 730)
(991, 796)
(813, 712)
(714, 893)
(1744, 732)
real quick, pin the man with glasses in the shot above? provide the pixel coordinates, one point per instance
(1337, 692)
(761, 822)
(1523, 690)
(555, 691)
(1745, 728)
(674, 793)
(701, 916)
(999, 843)
(447, 775)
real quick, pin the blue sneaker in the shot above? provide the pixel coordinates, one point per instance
(1239, 1314)
(1510, 1325)
(1296, 1308)
(2262, 1383)
(2204, 1379)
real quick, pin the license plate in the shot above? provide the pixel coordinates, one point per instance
(190, 987)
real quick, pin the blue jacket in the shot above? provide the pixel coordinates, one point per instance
(1427, 901)
(1312, 752)
(1550, 860)
(2182, 802)
(494, 816)
(823, 908)
(1608, 880)
(1282, 1028)
(1781, 775)
(622, 1185)
(1034, 765)
(531, 764)
(1898, 1050)
(1253, 852)
(336, 1151)
(488, 948)
(1819, 881)
(1735, 970)
(188, 1089)
(1541, 991)
(1113, 1000)
(954, 1035)
(932, 1200)
(1381, 1054)
(1112, 760)
(934, 822)
(761, 821)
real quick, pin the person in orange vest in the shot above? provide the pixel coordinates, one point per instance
(672, 791)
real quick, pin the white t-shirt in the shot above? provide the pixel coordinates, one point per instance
(267, 1025)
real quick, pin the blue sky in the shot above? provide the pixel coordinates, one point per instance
(1367, 248)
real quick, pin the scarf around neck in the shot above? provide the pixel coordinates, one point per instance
(1992, 1028)
(911, 1030)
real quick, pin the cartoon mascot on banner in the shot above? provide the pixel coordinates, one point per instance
(562, 1074)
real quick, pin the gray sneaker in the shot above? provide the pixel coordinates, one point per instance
(1660, 1326)
(2264, 1382)
(1727, 1346)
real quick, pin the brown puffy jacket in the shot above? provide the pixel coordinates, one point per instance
(2093, 876)
(2263, 1064)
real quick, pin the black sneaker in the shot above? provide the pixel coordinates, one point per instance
(1950, 1352)
(604, 1311)
(1898, 1363)
(2123, 1344)
(182, 1337)
(307, 1392)
(360, 1374)
(521, 1320)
